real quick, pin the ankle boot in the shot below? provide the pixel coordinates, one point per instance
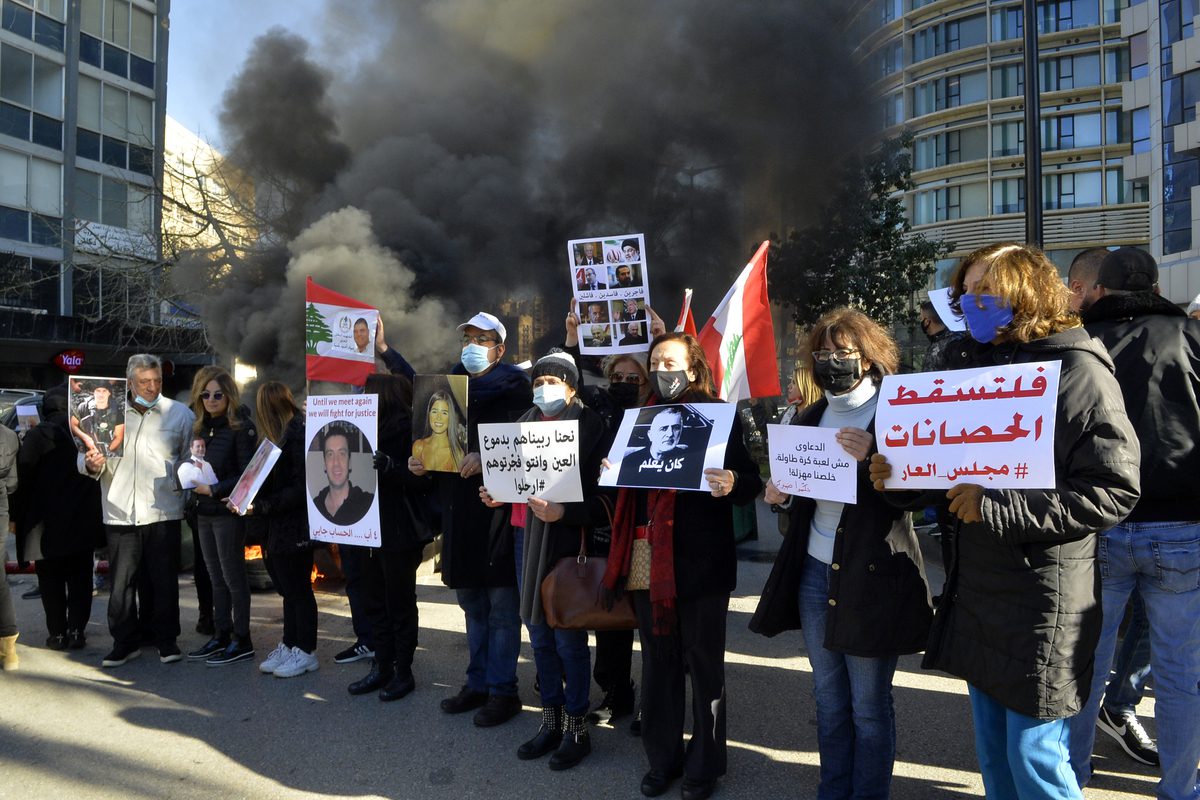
(374, 680)
(548, 736)
(576, 743)
(9, 660)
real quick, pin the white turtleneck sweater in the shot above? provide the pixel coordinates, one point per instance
(854, 409)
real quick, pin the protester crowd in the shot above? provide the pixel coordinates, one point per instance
(1037, 580)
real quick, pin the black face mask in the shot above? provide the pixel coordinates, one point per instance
(670, 383)
(925, 329)
(624, 395)
(839, 376)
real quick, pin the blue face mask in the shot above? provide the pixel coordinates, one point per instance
(984, 323)
(144, 403)
(550, 399)
(475, 358)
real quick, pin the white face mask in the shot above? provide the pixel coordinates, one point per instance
(550, 398)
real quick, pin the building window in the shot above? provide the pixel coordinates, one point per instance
(1006, 24)
(29, 83)
(1008, 138)
(1116, 64)
(1008, 80)
(112, 202)
(947, 37)
(30, 282)
(1070, 72)
(1138, 62)
(1065, 15)
(44, 29)
(1141, 130)
(1117, 127)
(1008, 196)
(1071, 190)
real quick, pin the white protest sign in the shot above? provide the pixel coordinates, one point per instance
(808, 462)
(611, 286)
(250, 481)
(941, 303)
(669, 446)
(992, 426)
(342, 435)
(531, 459)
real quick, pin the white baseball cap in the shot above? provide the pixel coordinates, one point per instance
(486, 322)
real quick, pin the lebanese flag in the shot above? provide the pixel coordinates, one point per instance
(324, 359)
(739, 338)
(686, 323)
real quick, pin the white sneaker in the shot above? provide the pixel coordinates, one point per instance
(276, 659)
(298, 663)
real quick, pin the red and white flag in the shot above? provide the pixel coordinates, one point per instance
(686, 323)
(339, 336)
(739, 338)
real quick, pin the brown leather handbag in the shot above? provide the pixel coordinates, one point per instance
(572, 595)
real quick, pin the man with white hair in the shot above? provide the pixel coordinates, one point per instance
(143, 506)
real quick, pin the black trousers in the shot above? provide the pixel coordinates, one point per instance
(700, 643)
(66, 583)
(614, 659)
(152, 550)
(204, 591)
(291, 572)
(389, 600)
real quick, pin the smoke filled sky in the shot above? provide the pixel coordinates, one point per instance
(475, 137)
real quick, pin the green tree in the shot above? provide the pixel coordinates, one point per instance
(861, 253)
(315, 330)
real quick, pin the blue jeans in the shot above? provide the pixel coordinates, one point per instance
(493, 638)
(557, 654)
(1132, 665)
(1020, 757)
(1162, 561)
(856, 722)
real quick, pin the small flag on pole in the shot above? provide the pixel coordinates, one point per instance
(686, 324)
(339, 336)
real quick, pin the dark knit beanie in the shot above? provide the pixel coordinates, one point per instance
(558, 364)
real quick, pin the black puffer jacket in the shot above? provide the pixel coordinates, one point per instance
(397, 531)
(880, 599)
(1020, 615)
(1156, 349)
(279, 505)
(228, 450)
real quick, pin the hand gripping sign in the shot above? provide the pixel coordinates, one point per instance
(992, 426)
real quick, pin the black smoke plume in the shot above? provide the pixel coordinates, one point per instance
(478, 136)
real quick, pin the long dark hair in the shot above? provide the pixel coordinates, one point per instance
(395, 393)
(275, 408)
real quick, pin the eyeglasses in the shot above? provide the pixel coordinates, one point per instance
(212, 395)
(626, 377)
(483, 340)
(841, 354)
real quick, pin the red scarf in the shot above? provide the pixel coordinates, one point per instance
(660, 505)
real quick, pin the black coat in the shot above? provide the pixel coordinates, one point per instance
(399, 489)
(705, 550)
(279, 506)
(228, 451)
(475, 553)
(879, 598)
(1020, 615)
(1156, 350)
(53, 494)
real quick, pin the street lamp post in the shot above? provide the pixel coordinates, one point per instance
(1033, 128)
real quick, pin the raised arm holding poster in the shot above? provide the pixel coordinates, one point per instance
(669, 446)
(342, 434)
(612, 289)
(809, 462)
(339, 336)
(531, 459)
(993, 426)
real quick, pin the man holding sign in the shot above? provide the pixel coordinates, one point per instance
(1020, 617)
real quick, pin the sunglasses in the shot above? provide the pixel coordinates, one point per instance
(212, 395)
(620, 377)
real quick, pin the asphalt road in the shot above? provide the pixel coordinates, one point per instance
(70, 729)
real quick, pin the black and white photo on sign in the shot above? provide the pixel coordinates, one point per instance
(610, 284)
(97, 414)
(669, 446)
(342, 435)
(440, 421)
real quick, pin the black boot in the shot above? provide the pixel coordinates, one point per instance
(576, 743)
(548, 737)
(240, 649)
(401, 684)
(374, 680)
(212, 647)
(617, 703)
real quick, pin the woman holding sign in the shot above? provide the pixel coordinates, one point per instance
(850, 576)
(280, 508)
(1020, 617)
(692, 571)
(543, 533)
(229, 443)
